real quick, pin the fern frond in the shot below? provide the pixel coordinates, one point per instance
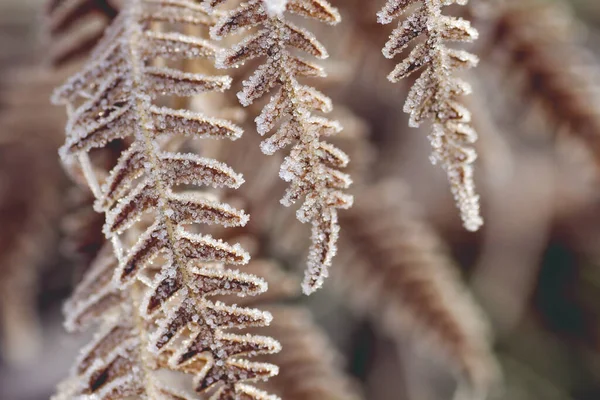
(168, 271)
(398, 272)
(312, 166)
(114, 365)
(560, 72)
(434, 93)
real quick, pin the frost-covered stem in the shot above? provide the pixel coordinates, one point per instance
(144, 136)
(134, 291)
(140, 326)
(434, 94)
(309, 138)
(307, 148)
(459, 171)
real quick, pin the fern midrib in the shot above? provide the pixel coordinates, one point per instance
(433, 8)
(297, 111)
(143, 121)
(140, 326)
(133, 41)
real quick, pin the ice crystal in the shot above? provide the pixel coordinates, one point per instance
(433, 95)
(166, 273)
(275, 7)
(311, 167)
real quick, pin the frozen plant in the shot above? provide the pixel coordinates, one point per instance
(433, 95)
(312, 166)
(155, 296)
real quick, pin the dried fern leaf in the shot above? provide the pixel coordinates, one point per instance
(434, 93)
(310, 367)
(113, 98)
(398, 272)
(115, 364)
(561, 74)
(99, 300)
(312, 165)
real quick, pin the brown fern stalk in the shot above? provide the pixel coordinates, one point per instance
(397, 270)
(312, 165)
(165, 272)
(434, 94)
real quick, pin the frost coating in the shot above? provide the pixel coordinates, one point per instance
(311, 168)
(434, 93)
(275, 7)
(160, 284)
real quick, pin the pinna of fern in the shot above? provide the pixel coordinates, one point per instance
(312, 167)
(433, 95)
(165, 274)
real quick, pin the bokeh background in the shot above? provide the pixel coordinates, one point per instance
(534, 268)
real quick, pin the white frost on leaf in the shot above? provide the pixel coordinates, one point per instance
(291, 116)
(119, 94)
(275, 7)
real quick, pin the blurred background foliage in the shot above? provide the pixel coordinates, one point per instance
(535, 267)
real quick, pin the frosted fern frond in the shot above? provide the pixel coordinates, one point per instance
(95, 295)
(312, 166)
(434, 93)
(167, 269)
(115, 365)
(118, 361)
(399, 273)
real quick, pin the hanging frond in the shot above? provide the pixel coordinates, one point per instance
(312, 166)
(434, 93)
(115, 366)
(118, 362)
(561, 74)
(397, 270)
(165, 272)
